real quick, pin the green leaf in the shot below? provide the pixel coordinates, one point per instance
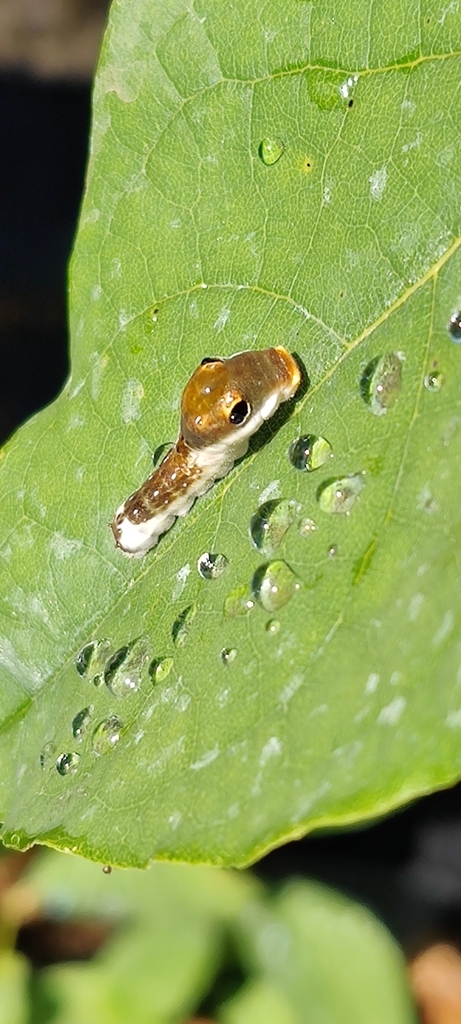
(345, 249)
(327, 957)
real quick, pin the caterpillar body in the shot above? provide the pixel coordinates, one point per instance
(223, 404)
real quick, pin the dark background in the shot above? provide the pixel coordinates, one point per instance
(407, 868)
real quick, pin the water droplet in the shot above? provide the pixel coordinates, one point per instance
(124, 670)
(270, 523)
(81, 722)
(180, 628)
(454, 327)
(48, 754)
(340, 495)
(211, 567)
(332, 551)
(347, 86)
(307, 527)
(274, 584)
(228, 655)
(107, 870)
(434, 381)
(272, 627)
(381, 382)
(160, 668)
(107, 734)
(92, 657)
(270, 150)
(67, 764)
(160, 451)
(309, 452)
(238, 602)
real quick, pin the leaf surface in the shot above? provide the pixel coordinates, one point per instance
(194, 241)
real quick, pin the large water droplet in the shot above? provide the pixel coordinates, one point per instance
(181, 626)
(67, 764)
(92, 656)
(160, 668)
(228, 655)
(454, 327)
(270, 150)
(434, 381)
(274, 584)
(340, 495)
(309, 452)
(81, 722)
(307, 527)
(238, 602)
(211, 567)
(381, 382)
(270, 523)
(107, 734)
(124, 670)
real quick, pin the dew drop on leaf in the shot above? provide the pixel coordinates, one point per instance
(454, 327)
(339, 496)
(434, 381)
(181, 625)
(48, 755)
(160, 668)
(228, 655)
(238, 602)
(272, 627)
(307, 527)
(270, 150)
(274, 585)
(211, 567)
(81, 722)
(381, 382)
(107, 734)
(270, 523)
(67, 764)
(309, 452)
(92, 657)
(124, 670)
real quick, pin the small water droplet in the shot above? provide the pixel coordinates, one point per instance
(381, 382)
(48, 755)
(211, 567)
(81, 722)
(347, 86)
(270, 523)
(162, 450)
(307, 527)
(270, 150)
(107, 734)
(92, 657)
(160, 668)
(107, 870)
(67, 764)
(238, 602)
(333, 551)
(272, 627)
(340, 495)
(274, 584)
(124, 670)
(228, 655)
(180, 628)
(454, 327)
(434, 381)
(309, 452)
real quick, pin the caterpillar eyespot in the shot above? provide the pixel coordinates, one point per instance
(223, 404)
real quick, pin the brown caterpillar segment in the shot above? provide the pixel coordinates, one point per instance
(223, 404)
